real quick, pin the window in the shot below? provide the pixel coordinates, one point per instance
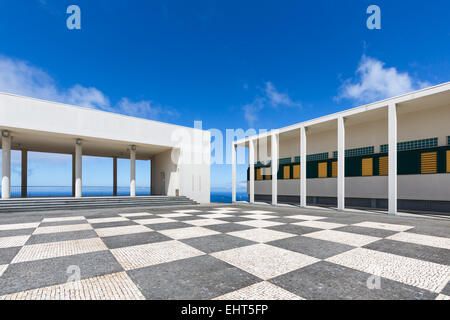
(286, 172)
(412, 145)
(356, 152)
(317, 156)
(429, 162)
(367, 167)
(384, 166)
(448, 140)
(296, 171)
(334, 169)
(323, 172)
(448, 161)
(259, 175)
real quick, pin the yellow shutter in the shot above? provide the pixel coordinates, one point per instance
(286, 172)
(259, 174)
(334, 169)
(296, 171)
(323, 170)
(448, 161)
(429, 162)
(367, 167)
(384, 166)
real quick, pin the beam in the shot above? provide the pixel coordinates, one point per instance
(133, 171)
(341, 164)
(303, 167)
(6, 165)
(24, 174)
(392, 137)
(274, 153)
(233, 173)
(78, 169)
(251, 160)
(115, 176)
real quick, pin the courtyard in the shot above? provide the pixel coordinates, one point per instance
(223, 252)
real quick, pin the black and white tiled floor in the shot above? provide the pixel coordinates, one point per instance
(223, 252)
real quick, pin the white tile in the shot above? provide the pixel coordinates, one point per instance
(265, 261)
(305, 217)
(138, 214)
(438, 242)
(260, 223)
(15, 241)
(106, 220)
(383, 226)
(261, 235)
(260, 291)
(442, 297)
(186, 233)
(352, 239)
(259, 216)
(3, 268)
(319, 224)
(154, 221)
(118, 231)
(63, 228)
(258, 212)
(154, 253)
(62, 219)
(187, 211)
(215, 215)
(204, 222)
(174, 215)
(422, 274)
(18, 226)
(58, 249)
(228, 209)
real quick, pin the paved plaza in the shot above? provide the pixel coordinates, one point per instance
(222, 252)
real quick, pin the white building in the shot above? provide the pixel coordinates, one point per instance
(179, 155)
(393, 154)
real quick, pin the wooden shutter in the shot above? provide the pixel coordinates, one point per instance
(334, 169)
(384, 166)
(323, 172)
(429, 162)
(296, 171)
(259, 174)
(367, 167)
(286, 172)
(448, 161)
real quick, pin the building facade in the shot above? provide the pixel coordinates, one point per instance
(177, 154)
(393, 154)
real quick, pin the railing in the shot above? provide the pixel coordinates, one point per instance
(66, 191)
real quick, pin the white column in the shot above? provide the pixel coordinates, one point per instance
(303, 167)
(233, 172)
(274, 168)
(133, 171)
(392, 188)
(6, 165)
(251, 160)
(78, 169)
(341, 164)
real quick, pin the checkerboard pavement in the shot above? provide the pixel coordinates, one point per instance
(223, 252)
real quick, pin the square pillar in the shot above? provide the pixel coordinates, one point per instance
(303, 167)
(392, 137)
(251, 160)
(115, 176)
(24, 174)
(133, 171)
(341, 164)
(6, 165)
(78, 169)
(274, 153)
(233, 172)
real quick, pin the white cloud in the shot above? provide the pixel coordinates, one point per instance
(271, 98)
(22, 78)
(374, 81)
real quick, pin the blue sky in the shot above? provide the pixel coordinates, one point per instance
(231, 64)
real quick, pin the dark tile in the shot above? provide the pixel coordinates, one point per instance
(185, 218)
(367, 231)
(7, 254)
(134, 239)
(113, 224)
(42, 273)
(294, 229)
(228, 227)
(62, 223)
(433, 229)
(311, 247)
(283, 220)
(328, 281)
(168, 225)
(446, 290)
(203, 277)
(101, 215)
(18, 232)
(61, 236)
(412, 250)
(235, 219)
(218, 242)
